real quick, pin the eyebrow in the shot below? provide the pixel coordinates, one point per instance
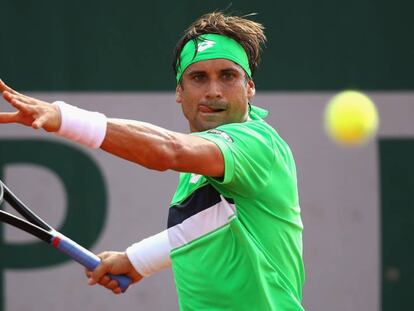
(229, 70)
(196, 72)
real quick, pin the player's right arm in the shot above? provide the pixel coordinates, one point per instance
(149, 255)
(115, 263)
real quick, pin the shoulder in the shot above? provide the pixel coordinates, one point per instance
(257, 130)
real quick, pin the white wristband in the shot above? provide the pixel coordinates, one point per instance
(83, 126)
(151, 255)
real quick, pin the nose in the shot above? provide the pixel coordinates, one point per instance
(214, 90)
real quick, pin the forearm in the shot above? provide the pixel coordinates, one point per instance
(143, 143)
(150, 255)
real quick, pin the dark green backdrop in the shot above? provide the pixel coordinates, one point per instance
(126, 45)
(397, 222)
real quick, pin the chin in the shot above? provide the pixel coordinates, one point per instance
(204, 127)
(211, 125)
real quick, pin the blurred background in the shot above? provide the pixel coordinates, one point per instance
(115, 57)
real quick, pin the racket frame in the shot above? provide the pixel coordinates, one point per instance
(37, 227)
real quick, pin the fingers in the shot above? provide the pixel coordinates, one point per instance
(4, 87)
(100, 274)
(7, 117)
(32, 112)
(25, 114)
(7, 95)
(105, 281)
(13, 99)
(112, 263)
(19, 105)
(108, 283)
(10, 96)
(101, 270)
(40, 122)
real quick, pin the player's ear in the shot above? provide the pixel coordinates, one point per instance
(251, 89)
(178, 93)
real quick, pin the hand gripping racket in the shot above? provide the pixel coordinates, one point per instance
(40, 229)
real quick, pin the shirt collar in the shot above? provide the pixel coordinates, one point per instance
(257, 112)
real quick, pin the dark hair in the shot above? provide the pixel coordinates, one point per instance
(247, 33)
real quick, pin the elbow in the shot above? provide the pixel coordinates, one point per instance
(160, 162)
(166, 158)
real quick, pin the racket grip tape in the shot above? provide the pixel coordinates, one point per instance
(86, 258)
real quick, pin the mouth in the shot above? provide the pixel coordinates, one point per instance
(210, 109)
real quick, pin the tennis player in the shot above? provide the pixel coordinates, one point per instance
(234, 237)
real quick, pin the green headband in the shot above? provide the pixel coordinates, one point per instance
(211, 46)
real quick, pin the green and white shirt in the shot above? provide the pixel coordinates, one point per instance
(237, 242)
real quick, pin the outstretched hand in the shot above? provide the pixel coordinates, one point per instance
(112, 263)
(30, 111)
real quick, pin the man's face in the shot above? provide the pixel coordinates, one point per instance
(214, 92)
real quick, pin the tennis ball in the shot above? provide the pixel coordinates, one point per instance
(351, 118)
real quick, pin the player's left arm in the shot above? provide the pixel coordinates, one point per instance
(143, 143)
(160, 149)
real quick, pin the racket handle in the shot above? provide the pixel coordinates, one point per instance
(86, 258)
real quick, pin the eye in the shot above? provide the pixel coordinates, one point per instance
(198, 77)
(228, 76)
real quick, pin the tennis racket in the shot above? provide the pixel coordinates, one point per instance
(40, 229)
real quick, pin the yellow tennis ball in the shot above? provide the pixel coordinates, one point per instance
(351, 118)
